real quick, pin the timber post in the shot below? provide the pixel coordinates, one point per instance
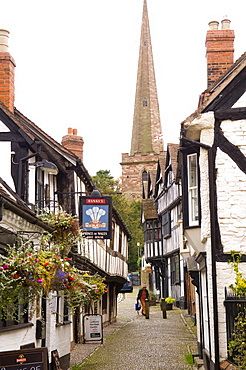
(164, 308)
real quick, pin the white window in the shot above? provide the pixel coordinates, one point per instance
(193, 189)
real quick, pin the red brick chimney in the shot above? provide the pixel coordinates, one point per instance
(7, 73)
(73, 142)
(219, 49)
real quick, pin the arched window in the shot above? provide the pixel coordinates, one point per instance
(145, 102)
(144, 176)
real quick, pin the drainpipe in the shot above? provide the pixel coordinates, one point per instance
(211, 154)
(212, 181)
(1, 209)
(20, 171)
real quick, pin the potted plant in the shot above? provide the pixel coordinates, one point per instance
(152, 298)
(169, 302)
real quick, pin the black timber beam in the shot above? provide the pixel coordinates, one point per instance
(230, 95)
(233, 114)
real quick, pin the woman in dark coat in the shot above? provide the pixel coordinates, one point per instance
(143, 295)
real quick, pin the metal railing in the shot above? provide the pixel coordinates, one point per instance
(234, 305)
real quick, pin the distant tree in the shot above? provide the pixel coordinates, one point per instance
(105, 182)
(130, 212)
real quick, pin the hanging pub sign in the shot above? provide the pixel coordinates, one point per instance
(96, 217)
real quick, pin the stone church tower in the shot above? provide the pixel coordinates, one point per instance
(146, 143)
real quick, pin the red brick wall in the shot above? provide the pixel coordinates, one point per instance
(7, 91)
(132, 169)
(220, 53)
(73, 142)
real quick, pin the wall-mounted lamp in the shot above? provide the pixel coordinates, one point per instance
(46, 166)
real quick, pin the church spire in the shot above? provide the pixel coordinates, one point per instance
(146, 144)
(146, 122)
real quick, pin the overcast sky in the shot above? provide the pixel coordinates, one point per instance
(76, 65)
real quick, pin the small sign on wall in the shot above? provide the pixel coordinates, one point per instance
(93, 328)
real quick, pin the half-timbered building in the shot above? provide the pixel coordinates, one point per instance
(212, 165)
(39, 173)
(162, 221)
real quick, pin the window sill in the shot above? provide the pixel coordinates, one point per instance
(16, 327)
(59, 324)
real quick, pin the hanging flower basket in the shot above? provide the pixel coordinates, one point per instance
(27, 272)
(66, 230)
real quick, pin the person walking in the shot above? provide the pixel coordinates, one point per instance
(143, 295)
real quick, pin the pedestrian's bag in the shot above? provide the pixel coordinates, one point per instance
(137, 306)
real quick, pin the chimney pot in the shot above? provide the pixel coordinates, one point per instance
(73, 142)
(225, 24)
(4, 41)
(219, 50)
(213, 25)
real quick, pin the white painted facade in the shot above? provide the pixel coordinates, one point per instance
(231, 206)
(107, 258)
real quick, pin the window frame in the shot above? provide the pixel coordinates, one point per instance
(166, 225)
(175, 269)
(185, 199)
(193, 201)
(21, 319)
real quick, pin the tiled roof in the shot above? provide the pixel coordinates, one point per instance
(173, 150)
(149, 210)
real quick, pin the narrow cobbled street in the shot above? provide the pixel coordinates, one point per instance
(134, 342)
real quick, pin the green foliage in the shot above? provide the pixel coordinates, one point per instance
(189, 359)
(105, 182)
(237, 345)
(66, 230)
(170, 300)
(239, 287)
(130, 212)
(152, 295)
(28, 271)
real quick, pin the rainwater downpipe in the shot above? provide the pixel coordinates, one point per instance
(211, 160)
(20, 171)
(212, 200)
(1, 209)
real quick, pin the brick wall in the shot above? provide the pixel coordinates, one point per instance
(73, 142)
(219, 51)
(132, 169)
(7, 91)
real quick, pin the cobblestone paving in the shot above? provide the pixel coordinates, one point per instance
(137, 343)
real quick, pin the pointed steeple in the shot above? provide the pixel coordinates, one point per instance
(146, 143)
(146, 121)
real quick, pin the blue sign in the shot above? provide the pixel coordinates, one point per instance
(96, 217)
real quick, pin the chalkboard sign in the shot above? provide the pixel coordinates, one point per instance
(55, 360)
(24, 359)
